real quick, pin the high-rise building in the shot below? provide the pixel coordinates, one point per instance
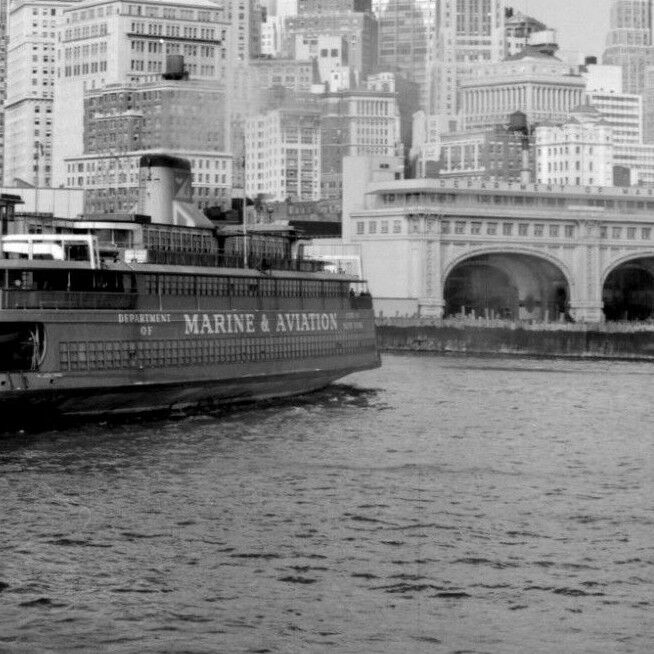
(406, 36)
(123, 122)
(648, 106)
(3, 78)
(468, 34)
(629, 41)
(30, 85)
(623, 112)
(245, 30)
(115, 41)
(356, 122)
(273, 15)
(283, 154)
(323, 6)
(358, 29)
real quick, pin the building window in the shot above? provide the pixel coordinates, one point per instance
(360, 227)
(445, 227)
(475, 228)
(569, 231)
(538, 230)
(491, 229)
(397, 227)
(602, 232)
(616, 232)
(554, 231)
(459, 227)
(645, 233)
(507, 229)
(523, 229)
(384, 226)
(372, 227)
(631, 233)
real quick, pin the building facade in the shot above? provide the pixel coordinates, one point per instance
(356, 122)
(3, 78)
(491, 154)
(444, 247)
(282, 154)
(111, 180)
(539, 85)
(406, 35)
(469, 33)
(623, 112)
(358, 29)
(30, 87)
(577, 153)
(115, 41)
(629, 41)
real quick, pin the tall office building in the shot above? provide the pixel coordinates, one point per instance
(30, 84)
(359, 29)
(283, 154)
(363, 121)
(3, 78)
(321, 6)
(629, 41)
(468, 33)
(406, 35)
(123, 122)
(114, 41)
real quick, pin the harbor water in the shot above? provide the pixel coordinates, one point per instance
(438, 504)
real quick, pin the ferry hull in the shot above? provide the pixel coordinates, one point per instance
(21, 406)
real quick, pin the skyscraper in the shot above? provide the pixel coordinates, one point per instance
(468, 33)
(30, 80)
(406, 33)
(117, 42)
(629, 41)
(3, 77)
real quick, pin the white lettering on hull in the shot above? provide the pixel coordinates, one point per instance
(245, 323)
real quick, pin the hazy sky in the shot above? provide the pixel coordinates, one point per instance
(581, 24)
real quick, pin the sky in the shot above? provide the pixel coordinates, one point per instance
(581, 24)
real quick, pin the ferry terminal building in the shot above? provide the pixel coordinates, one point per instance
(500, 249)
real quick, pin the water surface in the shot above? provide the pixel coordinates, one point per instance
(434, 505)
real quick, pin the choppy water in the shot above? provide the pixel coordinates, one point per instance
(435, 505)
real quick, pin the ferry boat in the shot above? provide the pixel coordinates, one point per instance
(162, 310)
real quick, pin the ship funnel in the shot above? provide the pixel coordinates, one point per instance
(166, 191)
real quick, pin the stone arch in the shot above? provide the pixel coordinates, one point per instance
(509, 282)
(627, 287)
(499, 249)
(626, 258)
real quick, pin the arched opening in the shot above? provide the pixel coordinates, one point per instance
(628, 292)
(507, 285)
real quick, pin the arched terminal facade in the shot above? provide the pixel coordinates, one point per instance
(444, 247)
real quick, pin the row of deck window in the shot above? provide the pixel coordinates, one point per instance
(81, 355)
(241, 286)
